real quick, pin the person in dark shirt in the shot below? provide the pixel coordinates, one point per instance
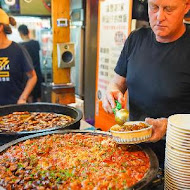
(15, 65)
(154, 68)
(33, 48)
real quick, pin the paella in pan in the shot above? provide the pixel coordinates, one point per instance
(74, 160)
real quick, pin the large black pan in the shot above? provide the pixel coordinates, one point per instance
(140, 185)
(39, 107)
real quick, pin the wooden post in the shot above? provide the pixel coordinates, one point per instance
(61, 76)
(60, 9)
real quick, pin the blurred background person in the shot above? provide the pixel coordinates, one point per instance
(33, 48)
(15, 65)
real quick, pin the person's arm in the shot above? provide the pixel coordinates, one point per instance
(32, 79)
(115, 91)
(159, 127)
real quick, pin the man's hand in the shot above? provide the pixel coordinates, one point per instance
(159, 127)
(109, 100)
(115, 91)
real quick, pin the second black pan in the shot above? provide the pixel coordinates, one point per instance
(39, 107)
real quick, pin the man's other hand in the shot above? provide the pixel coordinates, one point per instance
(159, 127)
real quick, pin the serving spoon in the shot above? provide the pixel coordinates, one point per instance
(121, 115)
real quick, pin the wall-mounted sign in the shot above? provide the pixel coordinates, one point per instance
(11, 7)
(114, 26)
(35, 7)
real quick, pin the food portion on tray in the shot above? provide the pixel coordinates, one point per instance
(30, 121)
(131, 132)
(130, 127)
(72, 161)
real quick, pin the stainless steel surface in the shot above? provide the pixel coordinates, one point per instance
(77, 33)
(90, 58)
(65, 55)
(77, 37)
(76, 4)
(84, 35)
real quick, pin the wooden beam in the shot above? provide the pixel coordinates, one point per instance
(60, 9)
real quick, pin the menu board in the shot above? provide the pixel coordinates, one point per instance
(114, 26)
